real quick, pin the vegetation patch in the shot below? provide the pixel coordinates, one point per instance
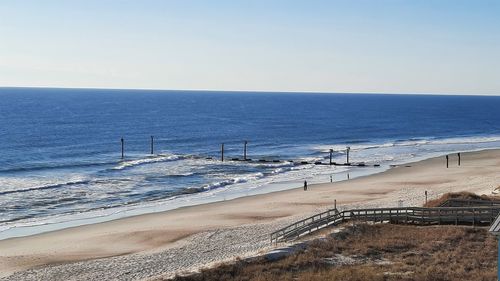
(375, 252)
(460, 195)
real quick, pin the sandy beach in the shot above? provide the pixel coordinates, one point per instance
(156, 245)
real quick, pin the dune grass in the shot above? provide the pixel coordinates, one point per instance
(459, 195)
(375, 252)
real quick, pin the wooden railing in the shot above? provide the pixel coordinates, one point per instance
(469, 202)
(482, 215)
(321, 219)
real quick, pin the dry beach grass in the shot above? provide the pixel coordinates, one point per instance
(375, 252)
(459, 195)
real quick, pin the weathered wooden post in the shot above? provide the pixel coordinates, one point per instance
(447, 158)
(152, 144)
(123, 144)
(426, 197)
(473, 217)
(335, 203)
(222, 152)
(458, 158)
(331, 152)
(245, 151)
(348, 149)
(495, 230)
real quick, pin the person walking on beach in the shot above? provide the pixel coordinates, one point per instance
(305, 185)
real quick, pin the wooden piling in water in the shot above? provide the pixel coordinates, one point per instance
(123, 144)
(222, 153)
(458, 158)
(447, 160)
(152, 145)
(331, 152)
(245, 151)
(348, 149)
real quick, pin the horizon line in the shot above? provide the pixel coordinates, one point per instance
(247, 91)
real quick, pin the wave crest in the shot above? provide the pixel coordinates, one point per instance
(148, 160)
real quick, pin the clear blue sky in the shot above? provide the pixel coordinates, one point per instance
(327, 46)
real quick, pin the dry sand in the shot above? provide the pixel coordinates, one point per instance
(162, 244)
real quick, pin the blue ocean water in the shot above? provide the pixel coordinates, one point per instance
(60, 148)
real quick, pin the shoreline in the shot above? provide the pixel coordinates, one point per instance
(80, 219)
(156, 233)
(286, 181)
(177, 202)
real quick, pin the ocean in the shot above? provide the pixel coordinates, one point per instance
(60, 150)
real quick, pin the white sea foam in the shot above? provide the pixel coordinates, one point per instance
(466, 140)
(147, 160)
(412, 142)
(10, 185)
(235, 180)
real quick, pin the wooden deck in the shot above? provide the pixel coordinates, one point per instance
(469, 215)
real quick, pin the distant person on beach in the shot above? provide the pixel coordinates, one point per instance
(305, 185)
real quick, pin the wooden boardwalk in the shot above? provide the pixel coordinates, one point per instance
(469, 215)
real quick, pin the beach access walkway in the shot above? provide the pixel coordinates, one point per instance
(452, 211)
